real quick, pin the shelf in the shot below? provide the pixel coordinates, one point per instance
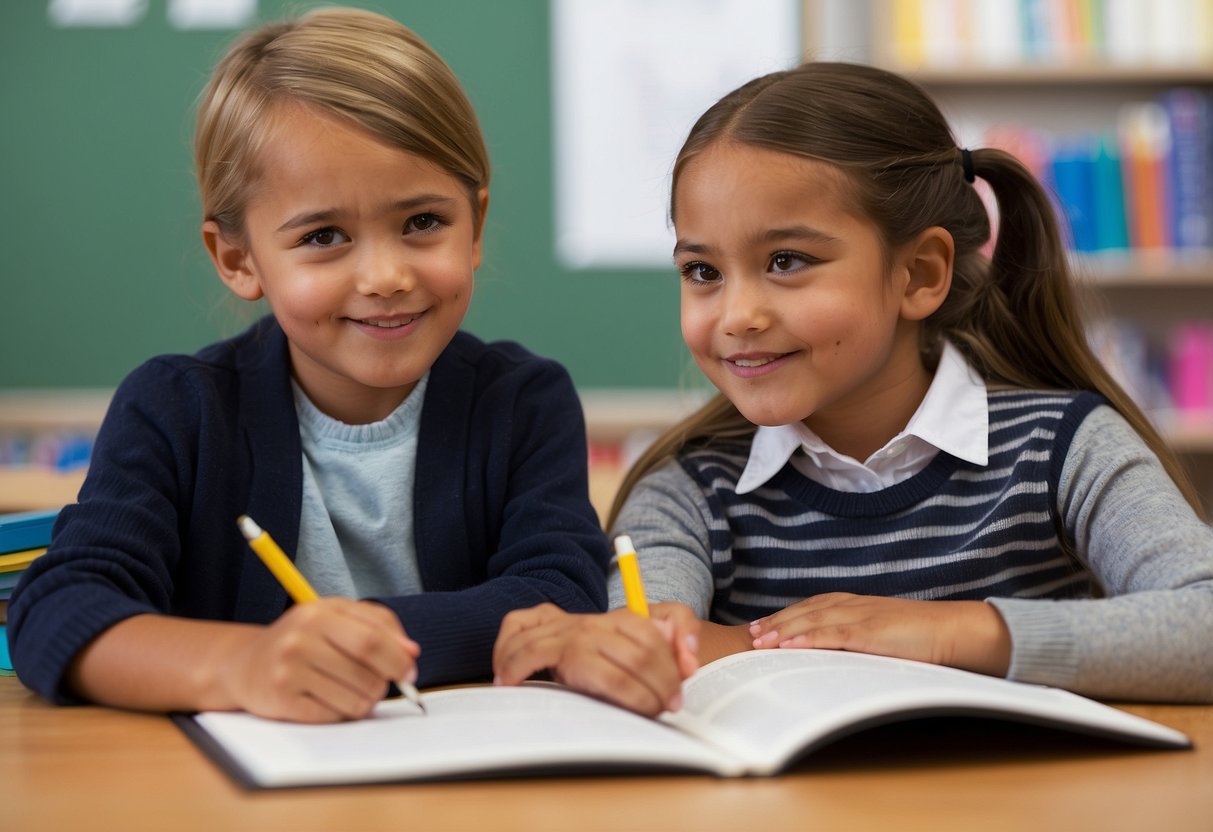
(1189, 435)
(69, 409)
(1059, 76)
(1158, 269)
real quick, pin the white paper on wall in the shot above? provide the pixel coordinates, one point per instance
(630, 77)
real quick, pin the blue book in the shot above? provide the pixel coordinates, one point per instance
(26, 530)
(1190, 166)
(1073, 167)
(6, 663)
(1111, 225)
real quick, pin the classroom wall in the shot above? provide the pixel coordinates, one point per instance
(103, 265)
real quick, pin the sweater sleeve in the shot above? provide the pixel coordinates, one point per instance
(1148, 637)
(112, 554)
(668, 519)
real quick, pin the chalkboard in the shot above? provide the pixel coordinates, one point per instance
(103, 266)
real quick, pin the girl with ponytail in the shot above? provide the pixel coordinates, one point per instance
(914, 451)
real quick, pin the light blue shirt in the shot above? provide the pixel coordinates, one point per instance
(356, 524)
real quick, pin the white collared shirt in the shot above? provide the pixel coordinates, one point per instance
(953, 416)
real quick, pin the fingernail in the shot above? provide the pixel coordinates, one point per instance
(675, 702)
(692, 643)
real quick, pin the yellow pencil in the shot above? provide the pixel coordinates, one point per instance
(276, 561)
(629, 569)
(292, 579)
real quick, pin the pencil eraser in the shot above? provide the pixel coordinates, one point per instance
(623, 545)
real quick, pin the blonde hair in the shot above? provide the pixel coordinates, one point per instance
(1014, 315)
(354, 64)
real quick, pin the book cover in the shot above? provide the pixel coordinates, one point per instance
(26, 530)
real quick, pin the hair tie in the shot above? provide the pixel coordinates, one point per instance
(966, 162)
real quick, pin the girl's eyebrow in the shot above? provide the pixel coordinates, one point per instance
(329, 214)
(795, 232)
(802, 233)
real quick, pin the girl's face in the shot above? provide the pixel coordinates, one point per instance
(365, 254)
(787, 303)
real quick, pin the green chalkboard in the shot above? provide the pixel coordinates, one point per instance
(102, 264)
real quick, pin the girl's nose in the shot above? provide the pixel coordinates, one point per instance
(746, 308)
(383, 270)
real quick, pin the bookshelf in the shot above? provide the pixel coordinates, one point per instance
(1033, 75)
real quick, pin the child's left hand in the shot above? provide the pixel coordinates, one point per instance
(618, 656)
(967, 634)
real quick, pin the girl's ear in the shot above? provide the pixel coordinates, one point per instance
(232, 262)
(482, 205)
(928, 263)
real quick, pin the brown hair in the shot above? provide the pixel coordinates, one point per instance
(350, 63)
(1014, 316)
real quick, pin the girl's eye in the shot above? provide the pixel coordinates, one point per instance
(788, 261)
(423, 223)
(324, 238)
(697, 272)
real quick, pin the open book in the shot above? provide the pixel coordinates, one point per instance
(747, 714)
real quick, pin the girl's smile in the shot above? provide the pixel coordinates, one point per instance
(753, 365)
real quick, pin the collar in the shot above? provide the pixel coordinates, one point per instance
(952, 417)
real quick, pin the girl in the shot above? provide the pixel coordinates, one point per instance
(941, 469)
(344, 179)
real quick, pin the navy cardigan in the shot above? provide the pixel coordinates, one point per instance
(502, 514)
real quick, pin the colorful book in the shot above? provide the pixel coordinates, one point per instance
(18, 561)
(1145, 137)
(1074, 179)
(6, 662)
(1108, 191)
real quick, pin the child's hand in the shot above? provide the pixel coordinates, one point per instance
(324, 661)
(618, 656)
(965, 634)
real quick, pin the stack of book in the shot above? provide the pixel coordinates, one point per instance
(23, 537)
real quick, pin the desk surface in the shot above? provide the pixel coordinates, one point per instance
(99, 769)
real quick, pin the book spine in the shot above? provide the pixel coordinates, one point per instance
(1190, 115)
(1111, 230)
(1145, 137)
(1191, 369)
(1073, 177)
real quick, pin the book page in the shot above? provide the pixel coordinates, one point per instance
(465, 731)
(768, 706)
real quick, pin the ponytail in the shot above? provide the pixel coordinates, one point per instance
(1017, 321)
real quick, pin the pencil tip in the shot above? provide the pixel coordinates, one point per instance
(247, 527)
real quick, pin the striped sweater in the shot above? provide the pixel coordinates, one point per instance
(1062, 467)
(953, 531)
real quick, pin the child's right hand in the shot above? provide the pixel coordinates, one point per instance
(618, 656)
(324, 661)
